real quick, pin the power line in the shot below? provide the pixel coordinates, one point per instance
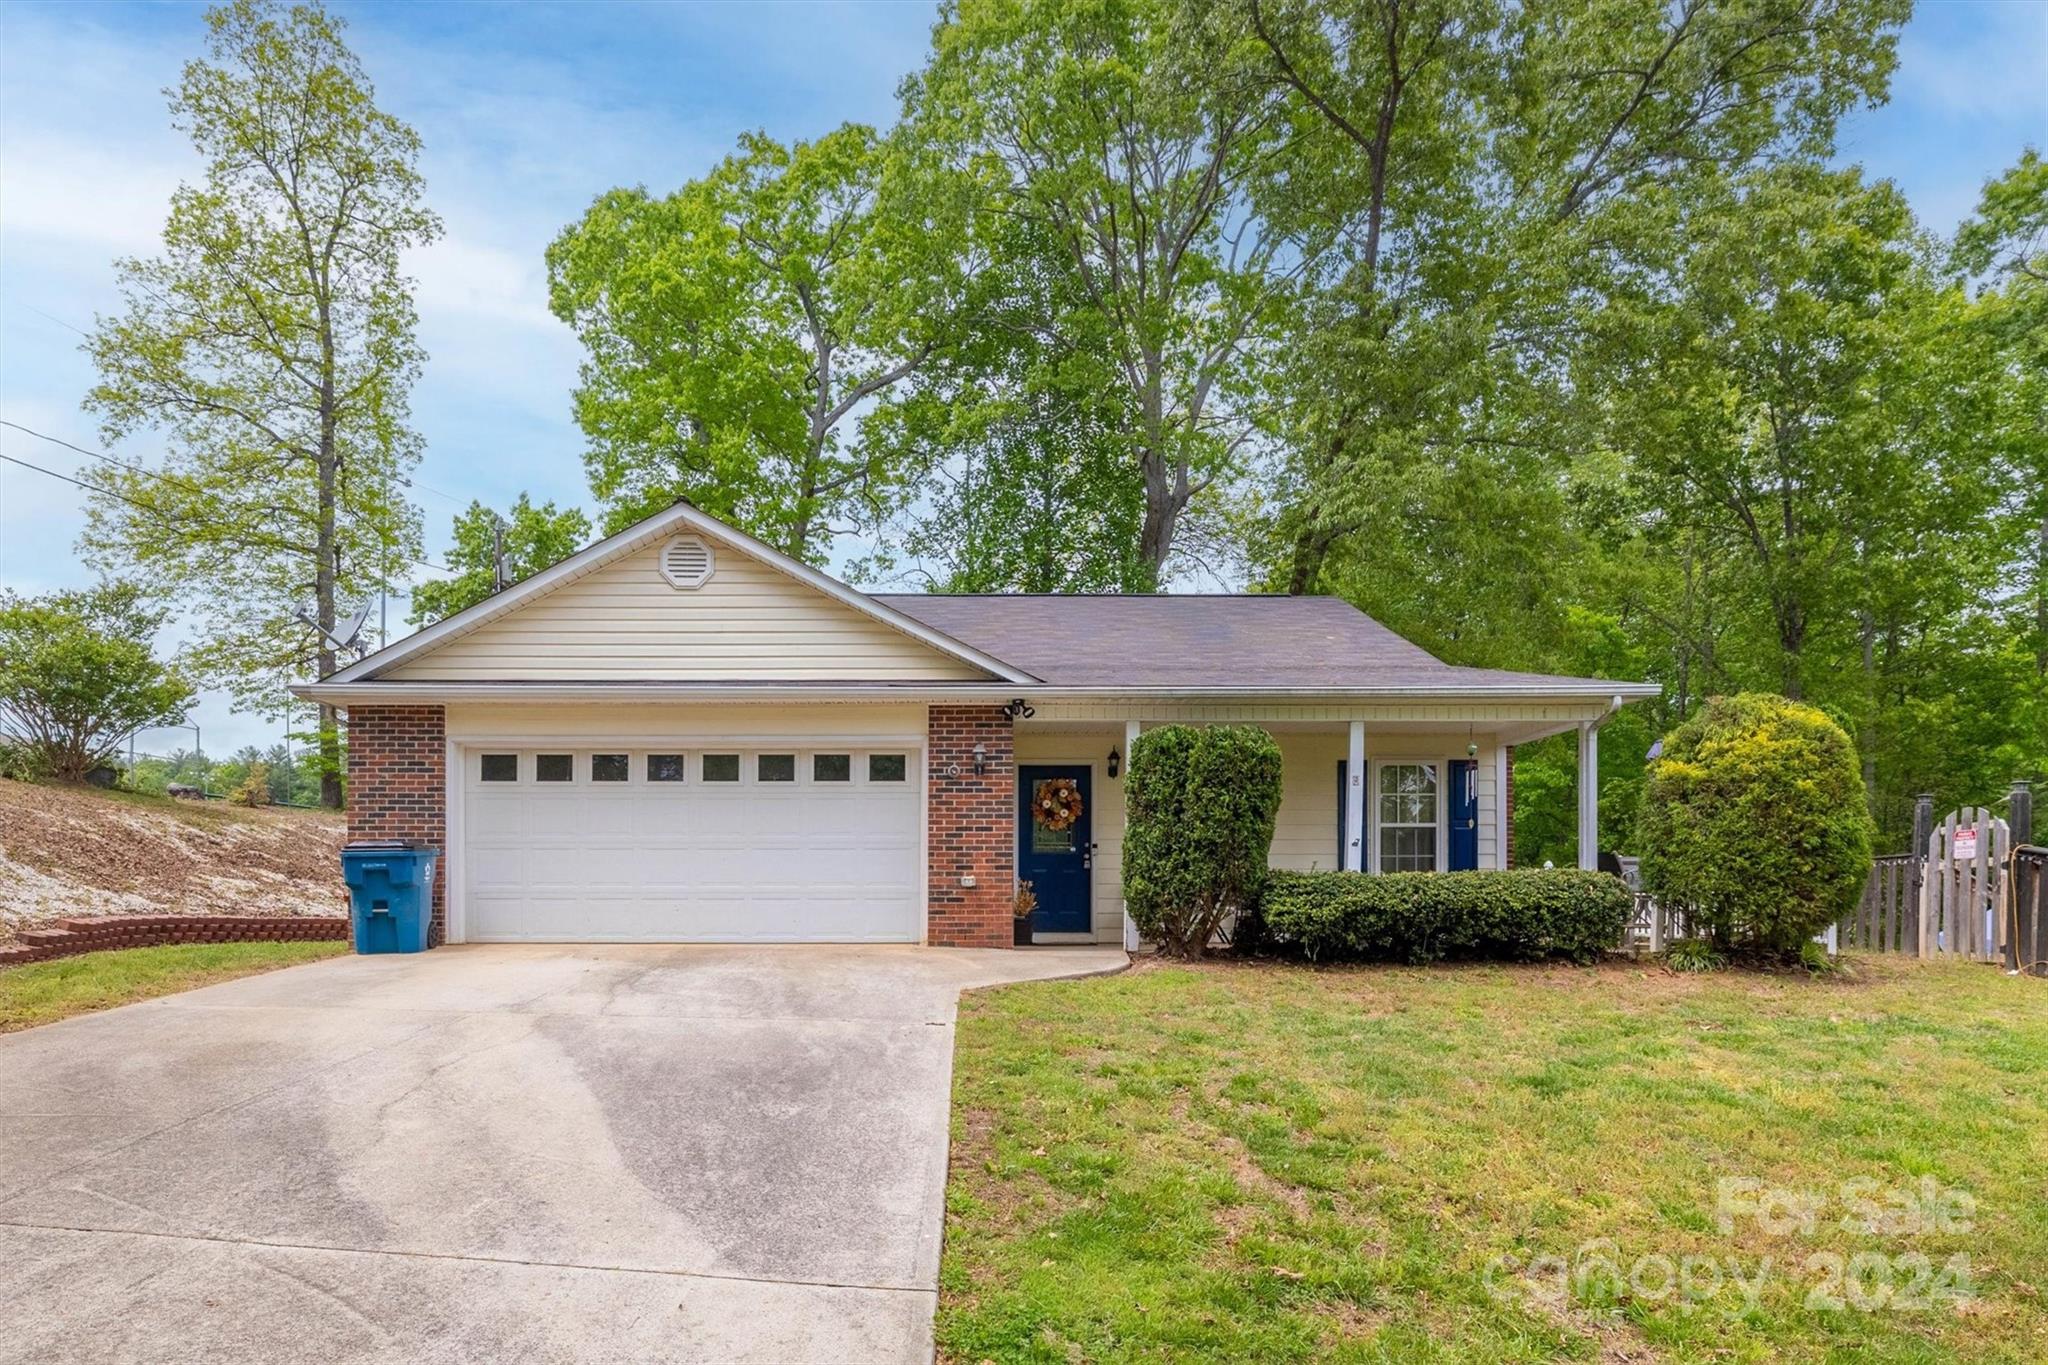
(102, 455)
(54, 318)
(275, 543)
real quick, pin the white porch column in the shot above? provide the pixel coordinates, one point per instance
(1589, 795)
(1352, 855)
(1131, 731)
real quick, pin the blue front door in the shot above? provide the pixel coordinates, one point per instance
(1464, 815)
(1056, 862)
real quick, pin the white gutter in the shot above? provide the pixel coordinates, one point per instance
(372, 693)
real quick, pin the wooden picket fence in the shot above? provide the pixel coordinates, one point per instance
(2027, 899)
(1887, 919)
(1991, 906)
(1962, 893)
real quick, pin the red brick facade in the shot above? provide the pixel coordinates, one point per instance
(70, 937)
(398, 784)
(972, 826)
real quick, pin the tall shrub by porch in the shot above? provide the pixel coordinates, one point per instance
(1201, 802)
(1754, 823)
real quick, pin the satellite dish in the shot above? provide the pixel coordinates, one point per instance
(348, 638)
(351, 633)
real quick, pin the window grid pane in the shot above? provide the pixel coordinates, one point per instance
(1407, 811)
(721, 767)
(609, 768)
(501, 768)
(554, 768)
(664, 767)
(831, 767)
(887, 768)
(775, 768)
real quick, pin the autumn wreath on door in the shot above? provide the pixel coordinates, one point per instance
(1056, 803)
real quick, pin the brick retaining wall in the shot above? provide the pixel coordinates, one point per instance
(70, 937)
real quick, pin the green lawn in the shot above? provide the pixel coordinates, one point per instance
(44, 991)
(1279, 1163)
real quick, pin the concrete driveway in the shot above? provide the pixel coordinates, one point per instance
(495, 1153)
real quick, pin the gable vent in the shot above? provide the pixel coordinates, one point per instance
(686, 562)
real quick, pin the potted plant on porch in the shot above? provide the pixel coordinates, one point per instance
(1020, 915)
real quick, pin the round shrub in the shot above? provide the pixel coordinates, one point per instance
(1754, 824)
(1199, 826)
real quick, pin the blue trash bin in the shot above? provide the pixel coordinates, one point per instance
(390, 892)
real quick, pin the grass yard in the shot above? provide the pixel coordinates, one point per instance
(1279, 1163)
(42, 992)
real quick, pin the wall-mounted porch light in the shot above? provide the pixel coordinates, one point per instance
(980, 759)
(1116, 761)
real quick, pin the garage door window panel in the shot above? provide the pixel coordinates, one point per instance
(721, 767)
(665, 767)
(500, 768)
(554, 767)
(610, 768)
(775, 767)
(831, 768)
(888, 768)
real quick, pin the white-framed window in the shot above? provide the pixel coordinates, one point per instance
(554, 767)
(1408, 814)
(888, 768)
(721, 767)
(499, 768)
(775, 767)
(831, 768)
(611, 768)
(664, 767)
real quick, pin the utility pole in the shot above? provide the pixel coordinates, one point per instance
(497, 553)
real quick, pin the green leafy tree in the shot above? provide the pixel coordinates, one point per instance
(738, 328)
(530, 540)
(1754, 825)
(1487, 168)
(272, 343)
(1016, 439)
(2006, 246)
(78, 676)
(1124, 137)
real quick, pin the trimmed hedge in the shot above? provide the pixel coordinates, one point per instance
(1200, 803)
(1523, 914)
(1755, 825)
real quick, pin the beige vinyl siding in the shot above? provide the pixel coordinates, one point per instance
(1305, 830)
(624, 622)
(686, 723)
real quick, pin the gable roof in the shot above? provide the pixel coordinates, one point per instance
(1247, 641)
(682, 516)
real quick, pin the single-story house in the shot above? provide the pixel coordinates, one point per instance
(681, 734)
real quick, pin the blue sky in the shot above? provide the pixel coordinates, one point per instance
(527, 112)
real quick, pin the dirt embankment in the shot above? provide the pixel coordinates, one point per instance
(67, 851)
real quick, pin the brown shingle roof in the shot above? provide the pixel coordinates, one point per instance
(1187, 640)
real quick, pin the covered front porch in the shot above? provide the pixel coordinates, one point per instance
(1378, 787)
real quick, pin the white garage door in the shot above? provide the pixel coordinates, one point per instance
(799, 844)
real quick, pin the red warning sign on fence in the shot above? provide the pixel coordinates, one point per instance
(1965, 847)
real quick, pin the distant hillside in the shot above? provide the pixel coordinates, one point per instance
(78, 851)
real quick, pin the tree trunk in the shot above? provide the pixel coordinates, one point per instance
(326, 562)
(2041, 601)
(1870, 694)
